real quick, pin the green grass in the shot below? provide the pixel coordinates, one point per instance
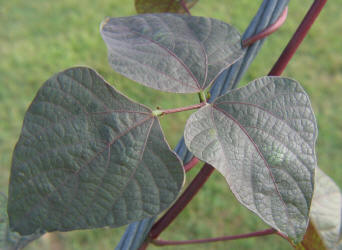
(39, 38)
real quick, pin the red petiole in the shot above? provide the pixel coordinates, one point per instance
(160, 112)
(209, 240)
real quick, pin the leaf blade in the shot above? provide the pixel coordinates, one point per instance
(261, 138)
(81, 159)
(169, 52)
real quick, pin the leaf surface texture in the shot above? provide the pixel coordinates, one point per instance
(89, 157)
(170, 52)
(262, 138)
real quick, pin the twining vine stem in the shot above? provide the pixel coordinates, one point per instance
(182, 2)
(191, 164)
(268, 31)
(297, 38)
(182, 201)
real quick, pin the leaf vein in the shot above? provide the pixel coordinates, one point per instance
(259, 153)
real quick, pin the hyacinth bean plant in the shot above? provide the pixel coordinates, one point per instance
(90, 157)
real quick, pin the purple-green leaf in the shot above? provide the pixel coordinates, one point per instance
(171, 52)
(160, 6)
(262, 139)
(89, 157)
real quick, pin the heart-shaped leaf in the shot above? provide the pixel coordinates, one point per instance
(261, 138)
(170, 52)
(89, 157)
(160, 6)
(11, 240)
(325, 213)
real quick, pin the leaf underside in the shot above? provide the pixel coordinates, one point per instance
(171, 52)
(326, 212)
(160, 6)
(89, 157)
(261, 138)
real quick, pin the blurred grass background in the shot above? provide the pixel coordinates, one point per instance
(39, 38)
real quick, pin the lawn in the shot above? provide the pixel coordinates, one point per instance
(39, 38)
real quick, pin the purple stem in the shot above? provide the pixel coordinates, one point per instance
(297, 38)
(208, 240)
(268, 31)
(191, 164)
(184, 7)
(182, 201)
